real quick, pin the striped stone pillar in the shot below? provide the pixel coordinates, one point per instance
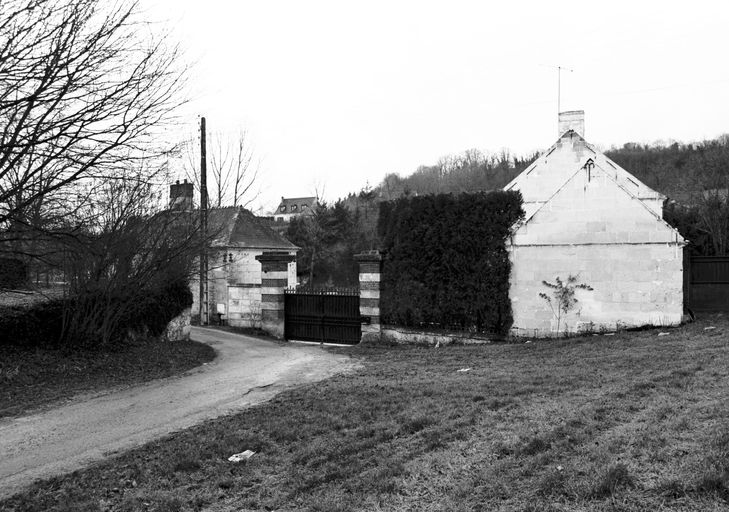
(370, 268)
(274, 279)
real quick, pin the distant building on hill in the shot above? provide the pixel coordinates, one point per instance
(291, 207)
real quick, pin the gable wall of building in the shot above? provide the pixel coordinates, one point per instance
(592, 208)
(597, 231)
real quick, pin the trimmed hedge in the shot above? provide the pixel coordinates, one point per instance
(445, 261)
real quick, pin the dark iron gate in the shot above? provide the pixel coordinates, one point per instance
(329, 315)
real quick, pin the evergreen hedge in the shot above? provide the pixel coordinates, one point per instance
(445, 261)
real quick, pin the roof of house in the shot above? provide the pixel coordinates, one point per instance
(296, 204)
(538, 182)
(558, 167)
(238, 227)
(622, 209)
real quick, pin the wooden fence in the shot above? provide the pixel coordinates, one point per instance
(707, 283)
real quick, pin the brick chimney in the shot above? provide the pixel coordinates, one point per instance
(181, 195)
(572, 120)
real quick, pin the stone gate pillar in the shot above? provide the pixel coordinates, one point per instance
(370, 269)
(274, 279)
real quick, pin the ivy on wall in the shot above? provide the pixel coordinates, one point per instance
(445, 261)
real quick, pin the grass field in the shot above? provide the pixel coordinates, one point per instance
(633, 421)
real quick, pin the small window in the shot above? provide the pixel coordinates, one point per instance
(304, 206)
(293, 208)
(283, 208)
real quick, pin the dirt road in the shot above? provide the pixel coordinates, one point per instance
(247, 371)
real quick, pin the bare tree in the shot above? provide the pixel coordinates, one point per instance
(233, 169)
(85, 91)
(131, 252)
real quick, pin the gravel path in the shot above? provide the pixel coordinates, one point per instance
(246, 371)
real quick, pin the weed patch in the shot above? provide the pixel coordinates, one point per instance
(615, 477)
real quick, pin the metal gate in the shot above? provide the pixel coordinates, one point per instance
(328, 315)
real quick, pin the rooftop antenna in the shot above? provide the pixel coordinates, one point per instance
(559, 83)
(559, 87)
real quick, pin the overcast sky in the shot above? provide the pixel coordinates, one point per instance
(338, 94)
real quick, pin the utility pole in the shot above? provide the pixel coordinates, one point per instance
(203, 298)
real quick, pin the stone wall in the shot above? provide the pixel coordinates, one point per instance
(632, 285)
(234, 286)
(403, 336)
(179, 327)
(244, 305)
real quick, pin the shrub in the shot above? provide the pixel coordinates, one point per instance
(13, 273)
(77, 321)
(160, 307)
(563, 296)
(446, 263)
(36, 325)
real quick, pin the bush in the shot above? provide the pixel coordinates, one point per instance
(13, 273)
(71, 321)
(38, 325)
(446, 263)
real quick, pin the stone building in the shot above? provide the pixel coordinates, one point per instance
(588, 217)
(234, 274)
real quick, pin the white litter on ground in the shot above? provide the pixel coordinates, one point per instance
(710, 328)
(239, 457)
(463, 370)
(663, 333)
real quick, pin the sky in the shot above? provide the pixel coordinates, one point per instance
(334, 95)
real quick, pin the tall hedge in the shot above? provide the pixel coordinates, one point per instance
(446, 264)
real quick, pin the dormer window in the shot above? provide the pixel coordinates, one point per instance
(283, 208)
(293, 208)
(304, 206)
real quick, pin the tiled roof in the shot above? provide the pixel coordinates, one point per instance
(237, 227)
